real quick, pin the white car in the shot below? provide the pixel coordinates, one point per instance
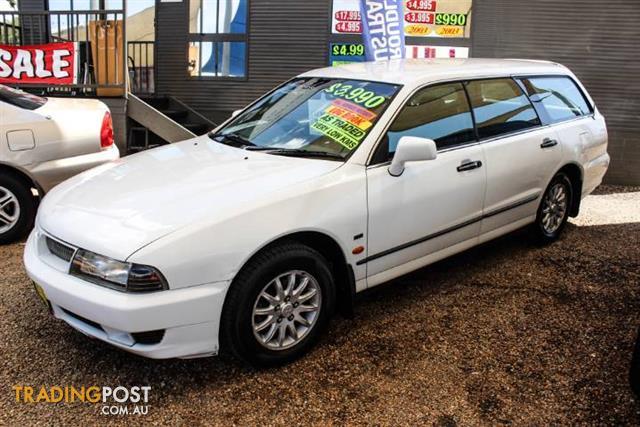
(44, 141)
(247, 239)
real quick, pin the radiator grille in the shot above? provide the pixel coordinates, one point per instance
(59, 250)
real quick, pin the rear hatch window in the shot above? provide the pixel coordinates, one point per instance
(21, 99)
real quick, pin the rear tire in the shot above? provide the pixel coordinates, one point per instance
(278, 305)
(554, 209)
(17, 209)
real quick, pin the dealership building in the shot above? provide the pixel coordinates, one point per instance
(180, 66)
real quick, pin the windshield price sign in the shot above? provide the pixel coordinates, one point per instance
(339, 130)
(422, 18)
(352, 112)
(359, 95)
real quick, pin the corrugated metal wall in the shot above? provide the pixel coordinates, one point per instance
(34, 29)
(599, 40)
(286, 38)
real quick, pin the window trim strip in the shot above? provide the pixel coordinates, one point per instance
(514, 77)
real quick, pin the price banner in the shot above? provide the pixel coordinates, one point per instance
(422, 18)
(346, 17)
(421, 5)
(345, 53)
(51, 64)
(437, 52)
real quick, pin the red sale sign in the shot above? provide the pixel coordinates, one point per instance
(53, 63)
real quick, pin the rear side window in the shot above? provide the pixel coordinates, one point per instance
(556, 98)
(20, 99)
(438, 112)
(500, 107)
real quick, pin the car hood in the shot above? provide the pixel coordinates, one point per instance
(117, 208)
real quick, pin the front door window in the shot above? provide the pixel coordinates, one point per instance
(438, 112)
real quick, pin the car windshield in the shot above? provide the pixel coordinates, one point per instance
(314, 117)
(21, 99)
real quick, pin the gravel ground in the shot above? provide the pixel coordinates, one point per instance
(507, 333)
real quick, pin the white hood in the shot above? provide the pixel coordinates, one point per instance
(117, 208)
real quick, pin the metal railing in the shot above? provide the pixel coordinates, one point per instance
(10, 31)
(99, 34)
(141, 57)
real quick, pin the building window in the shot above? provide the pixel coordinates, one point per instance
(8, 6)
(56, 5)
(218, 38)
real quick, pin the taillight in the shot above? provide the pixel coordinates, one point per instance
(106, 131)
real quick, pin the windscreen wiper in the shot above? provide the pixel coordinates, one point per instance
(259, 148)
(237, 140)
(296, 152)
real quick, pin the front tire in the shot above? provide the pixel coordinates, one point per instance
(278, 305)
(554, 209)
(17, 209)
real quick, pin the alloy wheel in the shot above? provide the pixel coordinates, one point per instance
(286, 310)
(9, 210)
(554, 208)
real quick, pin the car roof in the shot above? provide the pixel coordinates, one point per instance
(419, 71)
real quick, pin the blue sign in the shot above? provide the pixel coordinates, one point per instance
(382, 29)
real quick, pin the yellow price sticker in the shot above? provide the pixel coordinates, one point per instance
(449, 31)
(344, 133)
(417, 30)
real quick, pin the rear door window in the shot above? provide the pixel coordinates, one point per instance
(21, 99)
(556, 98)
(500, 107)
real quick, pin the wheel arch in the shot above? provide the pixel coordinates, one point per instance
(23, 176)
(332, 251)
(575, 174)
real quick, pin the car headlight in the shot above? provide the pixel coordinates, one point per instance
(122, 276)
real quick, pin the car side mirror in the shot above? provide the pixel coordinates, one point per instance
(412, 149)
(236, 112)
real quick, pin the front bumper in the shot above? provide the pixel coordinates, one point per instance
(189, 316)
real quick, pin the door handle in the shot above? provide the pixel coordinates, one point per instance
(548, 142)
(468, 165)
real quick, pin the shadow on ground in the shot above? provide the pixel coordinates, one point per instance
(504, 333)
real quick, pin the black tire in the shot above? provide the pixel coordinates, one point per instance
(27, 206)
(543, 234)
(236, 325)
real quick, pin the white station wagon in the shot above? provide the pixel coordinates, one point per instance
(247, 239)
